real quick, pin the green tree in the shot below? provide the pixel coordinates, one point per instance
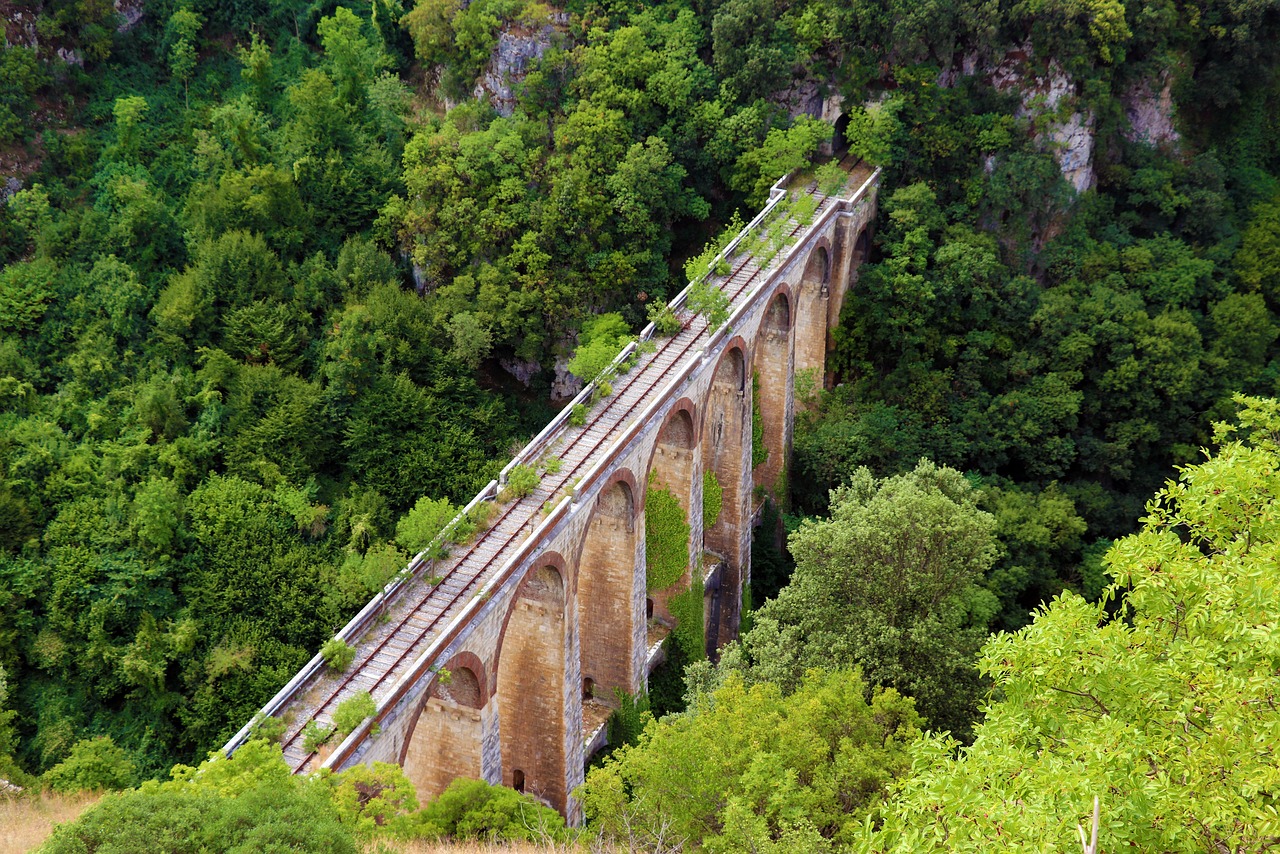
(1155, 701)
(94, 765)
(183, 27)
(888, 584)
(749, 769)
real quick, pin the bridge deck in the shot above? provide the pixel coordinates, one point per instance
(418, 612)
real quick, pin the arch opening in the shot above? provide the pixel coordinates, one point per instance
(839, 140)
(772, 370)
(726, 441)
(446, 739)
(531, 688)
(611, 631)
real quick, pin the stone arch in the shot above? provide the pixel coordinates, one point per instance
(862, 246)
(673, 467)
(773, 374)
(812, 309)
(611, 592)
(839, 142)
(446, 739)
(532, 704)
(726, 443)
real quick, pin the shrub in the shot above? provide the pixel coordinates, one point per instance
(710, 302)
(338, 654)
(601, 339)
(417, 528)
(664, 319)
(315, 734)
(352, 712)
(474, 809)
(552, 465)
(578, 415)
(94, 764)
(521, 482)
(267, 728)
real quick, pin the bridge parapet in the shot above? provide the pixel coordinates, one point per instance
(414, 631)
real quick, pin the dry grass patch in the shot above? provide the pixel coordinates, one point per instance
(28, 821)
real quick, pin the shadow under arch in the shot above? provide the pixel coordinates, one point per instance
(447, 736)
(531, 676)
(726, 455)
(611, 594)
(772, 372)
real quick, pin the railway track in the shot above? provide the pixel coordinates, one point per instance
(420, 611)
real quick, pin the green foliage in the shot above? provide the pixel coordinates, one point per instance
(783, 152)
(522, 480)
(426, 521)
(664, 320)
(666, 539)
(578, 415)
(601, 340)
(315, 734)
(711, 302)
(249, 802)
(353, 711)
(1170, 675)
(628, 721)
(712, 499)
(689, 633)
(887, 584)
(759, 450)
(338, 654)
(751, 769)
(474, 809)
(369, 800)
(94, 764)
(20, 78)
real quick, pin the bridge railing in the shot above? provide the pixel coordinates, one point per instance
(534, 449)
(352, 631)
(438, 647)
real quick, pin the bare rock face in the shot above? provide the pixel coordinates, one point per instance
(130, 12)
(802, 98)
(1150, 112)
(522, 369)
(565, 385)
(1051, 97)
(516, 49)
(20, 28)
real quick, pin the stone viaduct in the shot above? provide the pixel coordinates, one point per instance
(499, 660)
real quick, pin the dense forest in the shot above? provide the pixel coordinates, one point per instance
(275, 270)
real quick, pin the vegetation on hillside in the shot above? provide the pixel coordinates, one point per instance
(264, 301)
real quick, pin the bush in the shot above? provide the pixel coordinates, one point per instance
(352, 711)
(94, 764)
(338, 654)
(474, 809)
(417, 528)
(315, 734)
(601, 339)
(710, 302)
(664, 320)
(521, 482)
(578, 415)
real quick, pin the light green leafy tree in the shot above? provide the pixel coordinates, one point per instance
(749, 769)
(1159, 701)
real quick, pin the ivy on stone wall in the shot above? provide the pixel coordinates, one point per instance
(689, 633)
(712, 499)
(666, 538)
(759, 452)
